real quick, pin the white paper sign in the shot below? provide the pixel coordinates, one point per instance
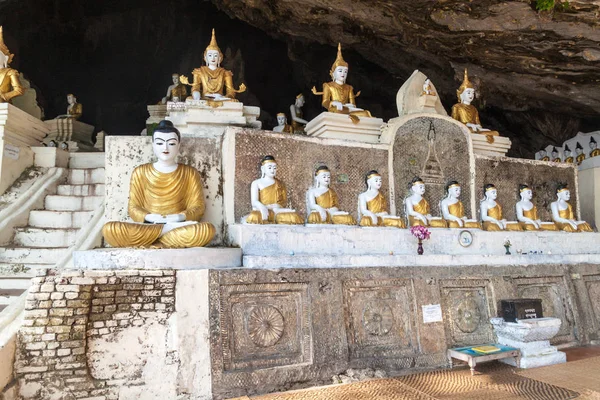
(11, 151)
(432, 313)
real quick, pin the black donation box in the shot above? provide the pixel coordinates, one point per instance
(514, 309)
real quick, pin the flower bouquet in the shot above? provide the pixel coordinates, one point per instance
(507, 245)
(421, 233)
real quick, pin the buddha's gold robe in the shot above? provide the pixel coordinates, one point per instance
(422, 207)
(533, 214)
(10, 85)
(274, 194)
(468, 114)
(76, 111)
(154, 192)
(287, 129)
(376, 205)
(567, 213)
(557, 159)
(179, 91)
(496, 213)
(327, 200)
(595, 153)
(545, 158)
(580, 158)
(208, 81)
(344, 93)
(297, 126)
(569, 160)
(458, 210)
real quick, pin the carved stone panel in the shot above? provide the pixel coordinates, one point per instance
(552, 291)
(380, 318)
(466, 309)
(264, 325)
(592, 284)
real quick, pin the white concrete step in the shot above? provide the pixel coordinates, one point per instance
(81, 190)
(86, 176)
(86, 160)
(44, 237)
(23, 255)
(72, 203)
(59, 219)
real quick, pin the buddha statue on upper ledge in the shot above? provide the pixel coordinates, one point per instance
(282, 125)
(417, 207)
(527, 213)
(269, 198)
(568, 156)
(466, 113)
(165, 201)
(491, 212)
(10, 85)
(555, 156)
(373, 207)
(322, 202)
(594, 150)
(211, 81)
(338, 96)
(298, 122)
(453, 210)
(74, 109)
(175, 92)
(580, 156)
(563, 215)
(544, 155)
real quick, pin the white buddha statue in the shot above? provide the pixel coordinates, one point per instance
(580, 155)
(555, 156)
(563, 215)
(527, 213)
(491, 212)
(298, 122)
(269, 198)
(373, 207)
(282, 125)
(453, 210)
(427, 89)
(322, 202)
(417, 208)
(544, 155)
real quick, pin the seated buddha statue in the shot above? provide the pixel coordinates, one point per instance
(74, 109)
(211, 81)
(338, 96)
(298, 122)
(10, 85)
(555, 156)
(594, 150)
(268, 197)
(491, 212)
(282, 125)
(580, 156)
(417, 208)
(563, 215)
(527, 213)
(466, 113)
(322, 202)
(453, 210)
(165, 201)
(568, 156)
(544, 155)
(175, 92)
(373, 207)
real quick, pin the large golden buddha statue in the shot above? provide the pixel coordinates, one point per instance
(10, 85)
(466, 113)
(165, 201)
(211, 81)
(373, 207)
(338, 96)
(322, 202)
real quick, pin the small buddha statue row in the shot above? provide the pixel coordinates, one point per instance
(580, 155)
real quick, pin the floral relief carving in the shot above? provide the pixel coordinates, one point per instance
(265, 325)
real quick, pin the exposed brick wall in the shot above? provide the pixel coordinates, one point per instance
(64, 310)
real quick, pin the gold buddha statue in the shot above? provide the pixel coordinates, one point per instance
(165, 201)
(211, 81)
(268, 197)
(453, 210)
(417, 207)
(491, 212)
(176, 92)
(466, 113)
(595, 151)
(322, 202)
(10, 85)
(338, 96)
(527, 213)
(373, 207)
(563, 215)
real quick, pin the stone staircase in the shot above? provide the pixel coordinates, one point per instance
(52, 230)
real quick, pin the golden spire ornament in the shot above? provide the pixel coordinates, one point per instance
(339, 60)
(466, 84)
(4, 48)
(213, 45)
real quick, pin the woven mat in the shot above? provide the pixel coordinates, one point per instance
(582, 376)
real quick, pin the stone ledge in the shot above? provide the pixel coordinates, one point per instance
(194, 258)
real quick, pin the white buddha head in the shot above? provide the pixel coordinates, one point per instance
(525, 192)
(490, 192)
(417, 186)
(268, 167)
(340, 74)
(166, 141)
(322, 176)
(453, 189)
(542, 153)
(175, 78)
(467, 96)
(71, 99)
(563, 192)
(281, 119)
(373, 180)
(300, 100)
(593, 143)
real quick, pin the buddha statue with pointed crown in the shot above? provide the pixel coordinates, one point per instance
(568, 156)
(211, 81)
(563, 215)
(165, 201)
(527, 213)
(453, 210)
(555, 156)
(491, 212)
(269, 198)
(10, 85)
(322, 202)
(417, 207)
(338, 96)
(466, 113)
(580, 154)
(594, 150)
(373, 207)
